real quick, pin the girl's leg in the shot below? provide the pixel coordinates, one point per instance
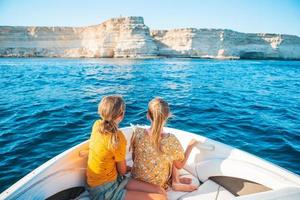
(175, 175)
(184, 187)
(144, 187)
(137, 195)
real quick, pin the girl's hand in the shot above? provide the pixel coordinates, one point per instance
(84, 153)
(128, 169)
(193, 143)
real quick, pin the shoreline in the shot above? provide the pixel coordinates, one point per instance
(149, 58)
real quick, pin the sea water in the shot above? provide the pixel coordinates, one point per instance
(49, 105)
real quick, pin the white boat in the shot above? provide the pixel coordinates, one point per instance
(223, 172)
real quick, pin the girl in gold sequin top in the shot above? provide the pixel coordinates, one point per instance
(156, 154)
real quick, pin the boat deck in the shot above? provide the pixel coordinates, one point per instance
(207, 190)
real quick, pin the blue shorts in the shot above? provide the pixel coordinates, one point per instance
(114, 190)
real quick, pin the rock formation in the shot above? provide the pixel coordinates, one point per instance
(130, 37)
(222, 44)
(118, 37)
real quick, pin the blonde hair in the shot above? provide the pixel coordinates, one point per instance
(109, 109)
(159, 112)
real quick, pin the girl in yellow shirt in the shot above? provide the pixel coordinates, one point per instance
(106, 165)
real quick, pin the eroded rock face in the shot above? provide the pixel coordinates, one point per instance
(225, 44)
(130, 37)
(118, 37)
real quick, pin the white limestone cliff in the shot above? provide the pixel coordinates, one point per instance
(225, 44)
(130, 37)
(118, 37)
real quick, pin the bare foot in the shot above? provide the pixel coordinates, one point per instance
(184, 187)
(185, 180)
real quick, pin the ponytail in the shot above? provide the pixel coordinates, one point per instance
(110, 108)
(108, 126)
(158, 112)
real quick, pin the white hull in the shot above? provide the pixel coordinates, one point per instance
(209, 159)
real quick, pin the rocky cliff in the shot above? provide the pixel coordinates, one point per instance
(118, 37)
(130, 37)
(222, 44)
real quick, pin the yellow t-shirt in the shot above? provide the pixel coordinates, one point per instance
(101, 166)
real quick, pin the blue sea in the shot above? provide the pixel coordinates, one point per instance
(49, 105)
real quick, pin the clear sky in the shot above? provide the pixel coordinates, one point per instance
(272, 16)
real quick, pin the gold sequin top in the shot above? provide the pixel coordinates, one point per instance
(150, 165)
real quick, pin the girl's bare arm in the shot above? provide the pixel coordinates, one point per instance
(121, 167)
(180, 164)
